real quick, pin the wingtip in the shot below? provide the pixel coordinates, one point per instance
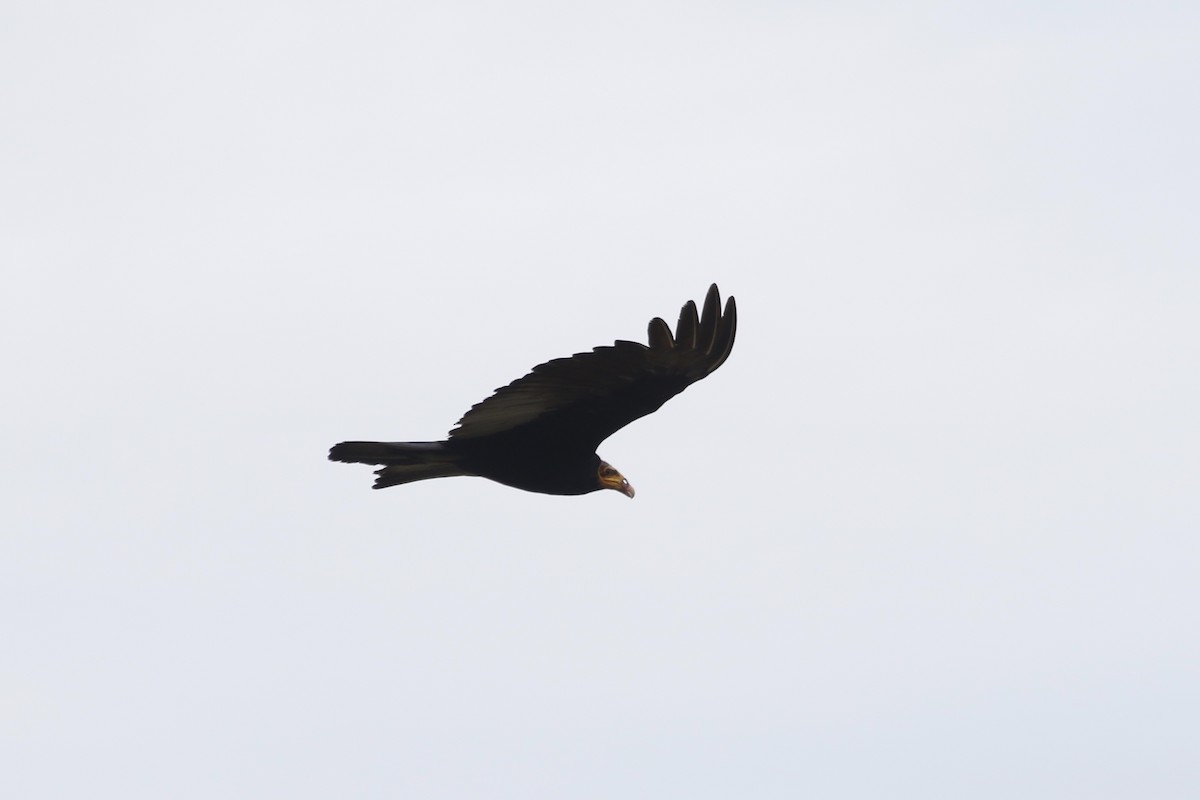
(659, 335)
(726, 333)
(689, 322)
(710, 319)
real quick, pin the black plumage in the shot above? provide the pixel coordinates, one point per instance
(540, 432)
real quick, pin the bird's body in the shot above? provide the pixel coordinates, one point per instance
(533, 466)
(540, 432)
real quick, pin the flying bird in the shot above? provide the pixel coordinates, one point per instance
(540, 432)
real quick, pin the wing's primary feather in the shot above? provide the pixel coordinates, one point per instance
(589, 396)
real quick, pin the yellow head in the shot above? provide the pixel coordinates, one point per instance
(609, 478)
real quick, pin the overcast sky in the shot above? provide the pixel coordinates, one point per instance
(931, 532)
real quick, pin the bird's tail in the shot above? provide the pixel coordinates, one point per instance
(403, 462)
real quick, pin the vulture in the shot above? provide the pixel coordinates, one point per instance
(540, 432)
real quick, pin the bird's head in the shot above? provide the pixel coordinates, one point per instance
(608, 478)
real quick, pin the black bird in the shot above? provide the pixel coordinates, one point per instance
(540, 433)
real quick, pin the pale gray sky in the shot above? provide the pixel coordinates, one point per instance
(931, 532)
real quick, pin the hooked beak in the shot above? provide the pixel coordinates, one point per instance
(611, 479)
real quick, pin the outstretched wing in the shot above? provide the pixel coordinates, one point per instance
(584, 399)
